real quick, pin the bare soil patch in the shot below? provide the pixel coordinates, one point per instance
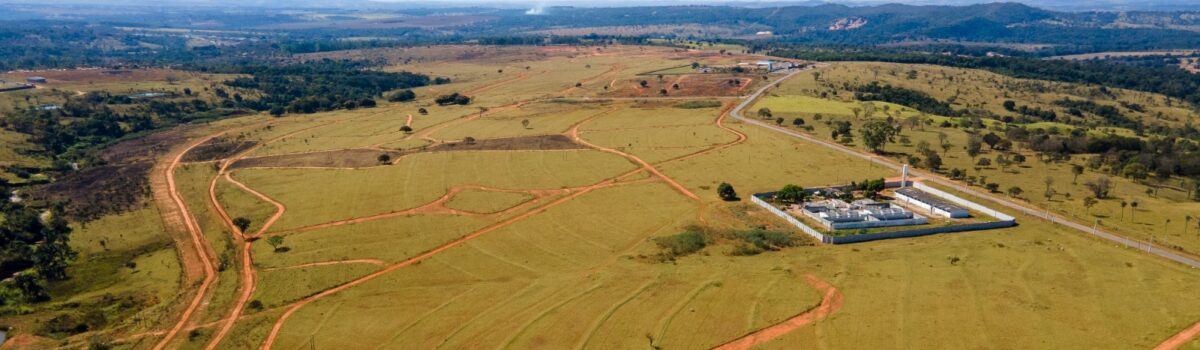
(365, 157)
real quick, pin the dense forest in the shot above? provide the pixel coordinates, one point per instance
(319, 85)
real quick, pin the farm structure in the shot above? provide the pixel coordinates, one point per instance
(836, 214)
(36, 80)
(935, 205)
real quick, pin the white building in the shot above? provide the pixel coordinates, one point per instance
(934, 205)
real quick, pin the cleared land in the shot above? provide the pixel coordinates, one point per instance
(541, 245)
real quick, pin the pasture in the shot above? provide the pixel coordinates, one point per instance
(560, 248)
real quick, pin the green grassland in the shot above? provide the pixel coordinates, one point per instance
(1167, 200)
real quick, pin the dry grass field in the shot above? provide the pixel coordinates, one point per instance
(556, 248)
(1166, 200)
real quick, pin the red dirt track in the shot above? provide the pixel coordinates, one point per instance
(1180, 339)
(831, 302)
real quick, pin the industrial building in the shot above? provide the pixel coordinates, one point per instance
(933, 204)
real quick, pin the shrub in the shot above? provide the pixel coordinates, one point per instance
(683, 243)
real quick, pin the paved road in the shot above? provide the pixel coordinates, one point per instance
(930, 177)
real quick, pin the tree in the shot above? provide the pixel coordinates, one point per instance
(1136, 171)
(933, 161)
(525, 123)
(877, 134)
(1089, 202)
(764, 113)
(797, 122)
(1133, 209)
(277, 111)
(944, 142)
(1123, 205)
(406, 129)
(384, 158)
(1049, 181)
(779, 121)
(726, 192)
(1003, 162)
(991, 139)
(1099, 187)
(276, 242)
(1009, 105)
(792, 194)
(1076, 170)
(1015, 191)
(241, 223)
(974, 146)
(422, 111)
(983, 162)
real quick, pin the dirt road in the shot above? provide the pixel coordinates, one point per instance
(938, 179)
(830, 301)
(199, 244)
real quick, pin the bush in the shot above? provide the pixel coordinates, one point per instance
(453, 99)
(683, 243)
(403, 96)
(764, 240)
(698, 104)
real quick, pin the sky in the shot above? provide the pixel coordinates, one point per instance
(1069, 5)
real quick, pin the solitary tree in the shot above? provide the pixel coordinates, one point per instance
(974, 147)
(992, 187)
(726, 192)
(1100, 187)
(1015, 191)
(877, 134)
(406, 129)
(1123, 205)
(469, 140)
(1076, 170)
(276, 242)
(944, 141)
(1089, 202)
(525, 123)
(764, 113)
(384, 158)
(1133, 210)
(242, 223)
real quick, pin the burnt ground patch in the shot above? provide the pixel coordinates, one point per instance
(365, 157)
(217, 148)
(117, 178)
(93, 192)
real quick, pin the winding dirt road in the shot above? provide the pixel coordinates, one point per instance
(831, 301)
(199, 244)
